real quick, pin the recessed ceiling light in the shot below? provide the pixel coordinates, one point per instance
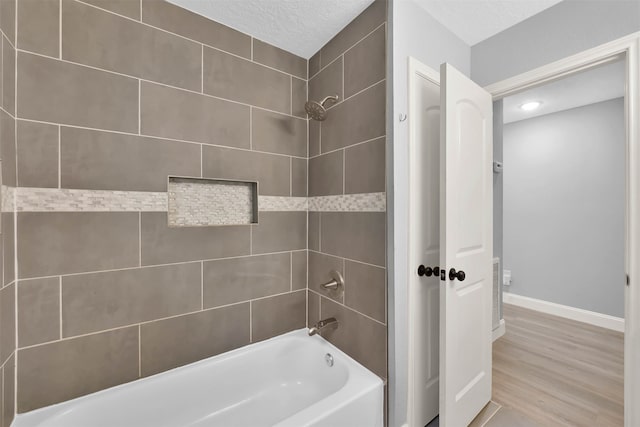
(529, 106)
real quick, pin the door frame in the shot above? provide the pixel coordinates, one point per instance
(416, 68)
(630, 47)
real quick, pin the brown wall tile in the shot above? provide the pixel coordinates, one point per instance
(299, 177)
(227, 281)
(99, 301)
(314, 64)
(178, 20)
(314, 231)
(238, 79)
(314, 138)
(200, 335)
(277, 315)
(278, 133)
(282, 60)
(361, 338)
(8, 77)
(138, 50)
(63, 370)
(130, 8)
(162, 244)
(53, 243)
(113, 161)
(8, 246)
(326, 174)
(358, 236)
(320, 267)
(313, 308)
(279, 231)
(327, 83)
(271, 171)
(366, 289)
(298, 97)
(7, 321)
(178, 114)
(38, 311)
(362, 25)
(37, 145)
(8, 19)
(365, 167)
(60, 92)
(298, 270)
(365, 63)
(8, 395)
(38, 26)
(357, 119)
(8, 149)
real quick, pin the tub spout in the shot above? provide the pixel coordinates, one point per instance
(331, 321)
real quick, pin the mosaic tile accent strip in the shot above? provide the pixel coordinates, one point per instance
(70, 200)
(28, 199)
(284, 204)
(366, 202)
(8, 198)
(200, 202)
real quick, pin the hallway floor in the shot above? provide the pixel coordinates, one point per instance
(550, 371)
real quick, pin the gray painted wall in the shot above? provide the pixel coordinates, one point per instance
(564, 204)
(414, 33)
(565, 29)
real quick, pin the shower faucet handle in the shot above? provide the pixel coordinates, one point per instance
(335, 283)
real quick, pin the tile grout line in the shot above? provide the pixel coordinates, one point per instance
(66, 61)
(201, 285)
(348, 259)
(250, 321)
(331, 107)
(59, 29)
(139, 107)
(139, 239)
(201, 68)
(139, 351)
(160, 319)
(159, 137)
(146, 24)
(291, 272)
(60, 302)
(346, 147)
(344, 52)
(349, 308)
(59, 157)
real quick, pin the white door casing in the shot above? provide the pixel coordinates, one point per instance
(424, 242)
(466, 243)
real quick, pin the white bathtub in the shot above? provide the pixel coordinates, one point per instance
(284, 382)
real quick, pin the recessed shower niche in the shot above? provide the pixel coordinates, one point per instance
(198, 202)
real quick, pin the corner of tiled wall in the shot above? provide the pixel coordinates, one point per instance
(7, 216)
(347, 188)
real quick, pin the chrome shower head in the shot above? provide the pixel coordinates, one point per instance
(317, 110)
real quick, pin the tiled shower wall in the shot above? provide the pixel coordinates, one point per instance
(347, 156)
(7, 235)
(113, 96)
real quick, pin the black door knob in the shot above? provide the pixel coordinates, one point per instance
(428, 271)
(453, 274)
(424, 271)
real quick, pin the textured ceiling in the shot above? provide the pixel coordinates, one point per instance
(477, 20)
(588, 87)
(297, 26)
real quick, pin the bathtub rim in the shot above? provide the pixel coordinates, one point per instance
(364, 381)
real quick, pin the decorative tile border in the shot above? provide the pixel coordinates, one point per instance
(282, 203)
(70, 200)
(365, 202)
(28, 199)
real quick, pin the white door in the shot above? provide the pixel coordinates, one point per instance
(466, 247)
(424, 223)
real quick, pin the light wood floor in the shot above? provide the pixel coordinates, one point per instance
(557, 372)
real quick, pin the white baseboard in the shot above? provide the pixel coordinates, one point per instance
(499, 331)
(578, 314)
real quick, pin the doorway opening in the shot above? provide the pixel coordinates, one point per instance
(560, 201)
